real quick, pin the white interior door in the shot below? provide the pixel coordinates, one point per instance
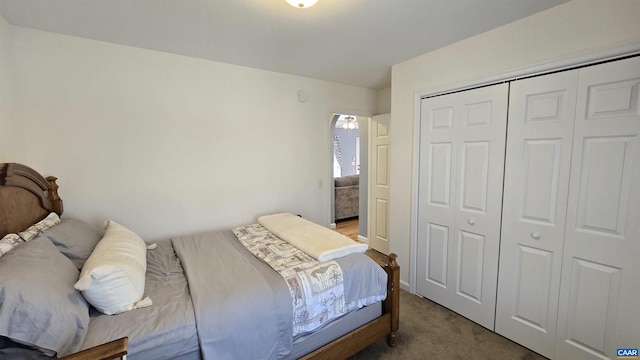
(357, 155)
(598, 310)
(379, 183)
(462, 143)
(538, 159)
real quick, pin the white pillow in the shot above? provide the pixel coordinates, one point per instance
(112, 278)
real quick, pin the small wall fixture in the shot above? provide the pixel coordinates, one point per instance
(302, 4)
(302, 96)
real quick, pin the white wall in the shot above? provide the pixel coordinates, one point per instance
(169, 144)
(12, 138)
(569, 31)
(384, 101)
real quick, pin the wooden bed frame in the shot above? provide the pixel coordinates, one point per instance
(26, 197)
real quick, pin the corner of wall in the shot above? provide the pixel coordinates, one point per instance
(384, 101)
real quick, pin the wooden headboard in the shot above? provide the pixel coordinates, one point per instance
(26, 197)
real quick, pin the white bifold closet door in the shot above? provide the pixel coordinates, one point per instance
(599, 308)
(462, 139)
(539, 140)
(569, 283)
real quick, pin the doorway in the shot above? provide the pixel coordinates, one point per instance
(349, 171)
(379, 147)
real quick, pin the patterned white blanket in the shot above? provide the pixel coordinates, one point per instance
(317, 288)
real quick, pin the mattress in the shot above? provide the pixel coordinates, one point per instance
(333, 330)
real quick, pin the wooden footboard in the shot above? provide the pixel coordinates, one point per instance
(386, 325)
(116, 349)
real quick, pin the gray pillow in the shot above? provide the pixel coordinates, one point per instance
(74, 238)
(38, 305)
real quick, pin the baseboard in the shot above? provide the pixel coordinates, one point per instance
(405, 286)
(363, 239)
(332, 225)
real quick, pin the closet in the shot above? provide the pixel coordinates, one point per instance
(567, 283)
(461, 166)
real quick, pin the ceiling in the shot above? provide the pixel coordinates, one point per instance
(353, 42)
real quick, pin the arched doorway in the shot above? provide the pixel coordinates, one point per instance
(349, 171)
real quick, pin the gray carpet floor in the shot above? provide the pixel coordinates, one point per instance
(430, 331)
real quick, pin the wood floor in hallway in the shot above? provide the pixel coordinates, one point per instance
(348, 227)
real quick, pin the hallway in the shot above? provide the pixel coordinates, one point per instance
(349, 228)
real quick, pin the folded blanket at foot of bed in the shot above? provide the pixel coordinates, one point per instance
(317, 241)
(317, 288)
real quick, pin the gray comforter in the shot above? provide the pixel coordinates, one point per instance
(243, 308)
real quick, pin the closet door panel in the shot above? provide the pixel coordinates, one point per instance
(438, 228)
(532, 294)
(462, 141)
(598, 310)
(470, 266)
(440, 174)
(593, 300)
(474, 176)
(541, 172)
(539, 142)
(436, 209)
(604, 185)
(481, 145)
(438, 254)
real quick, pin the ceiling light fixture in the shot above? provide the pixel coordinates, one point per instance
(302, 4)
(350, 123)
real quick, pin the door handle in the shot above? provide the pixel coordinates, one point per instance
(471, 222)
(535, 236)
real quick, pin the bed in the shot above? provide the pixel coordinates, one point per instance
(187, 318)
